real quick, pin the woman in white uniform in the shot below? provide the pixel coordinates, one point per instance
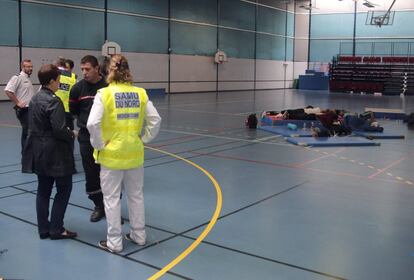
(121, 120)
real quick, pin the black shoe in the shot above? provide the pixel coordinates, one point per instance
(44, 235)
(102, 244)
(97, 214)
(66, 234)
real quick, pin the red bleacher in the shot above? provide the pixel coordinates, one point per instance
(388, 74)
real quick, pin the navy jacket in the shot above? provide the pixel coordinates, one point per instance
(48, 150)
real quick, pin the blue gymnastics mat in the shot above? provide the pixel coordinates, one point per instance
(388, 133)
(388, 115)
(284, 131)
(331, 141)
(267, 120)
(299, 123)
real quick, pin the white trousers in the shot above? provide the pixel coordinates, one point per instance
(133, 183)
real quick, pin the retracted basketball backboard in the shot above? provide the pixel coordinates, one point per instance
(110, 48)
(380, 18)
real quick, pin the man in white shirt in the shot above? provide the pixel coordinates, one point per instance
(20, 90)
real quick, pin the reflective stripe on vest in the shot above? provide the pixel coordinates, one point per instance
(121, 125)
(66, 83)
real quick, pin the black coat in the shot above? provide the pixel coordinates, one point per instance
(48, 150)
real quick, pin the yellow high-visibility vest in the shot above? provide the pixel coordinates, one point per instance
(121, 126)
(66, 83)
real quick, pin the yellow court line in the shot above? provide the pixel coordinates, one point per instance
(209, 227)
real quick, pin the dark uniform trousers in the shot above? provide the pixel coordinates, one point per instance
(60, 203)
(22, 115)
(92, 173)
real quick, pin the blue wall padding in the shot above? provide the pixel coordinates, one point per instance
(331, 141)
(313, 81)
(156, 92)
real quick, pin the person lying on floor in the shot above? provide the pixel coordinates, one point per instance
(331, 124)
(307, 113)
(362, 122)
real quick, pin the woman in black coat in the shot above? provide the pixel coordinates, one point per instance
(48, 153)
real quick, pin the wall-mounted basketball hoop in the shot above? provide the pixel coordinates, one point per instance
(110, 48)
(380, 18)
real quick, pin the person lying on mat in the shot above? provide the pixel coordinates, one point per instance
(307, 113)
(363, 122)
(331, 124)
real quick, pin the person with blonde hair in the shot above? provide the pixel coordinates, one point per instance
(121, 120)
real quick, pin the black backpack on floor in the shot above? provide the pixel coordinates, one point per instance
(251, 121)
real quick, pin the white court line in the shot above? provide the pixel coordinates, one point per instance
(269, 137)
(227, 138)
(201, 112)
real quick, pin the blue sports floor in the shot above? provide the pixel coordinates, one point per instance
(288, 212)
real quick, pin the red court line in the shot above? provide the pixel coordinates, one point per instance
(319, 158)
(386, 168)
(296, 167)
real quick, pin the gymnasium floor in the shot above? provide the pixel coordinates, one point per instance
(288, 212)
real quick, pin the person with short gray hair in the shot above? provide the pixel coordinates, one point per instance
(20, 90)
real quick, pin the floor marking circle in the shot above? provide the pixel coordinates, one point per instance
(208, 228)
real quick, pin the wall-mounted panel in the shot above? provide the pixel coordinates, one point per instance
(204, 11)
(147, 67)
(235, 86)
(186, 68)
(9, 25)
(145, 7)
(154, 85)
(58, 27)
(138, 34)
(290, 25)
(270, 47)
(271, 85)
(289, 49)
(271, 70)
(192, 39)
(301, 50)
(9, 65)
(299, 69)
(302, 26)
(333, 25)
(192, 87)
(324, 50)
(271, 21)
(238, 44)
(237, 70)
(238, 14)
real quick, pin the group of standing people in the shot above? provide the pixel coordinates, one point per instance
(115, 119)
